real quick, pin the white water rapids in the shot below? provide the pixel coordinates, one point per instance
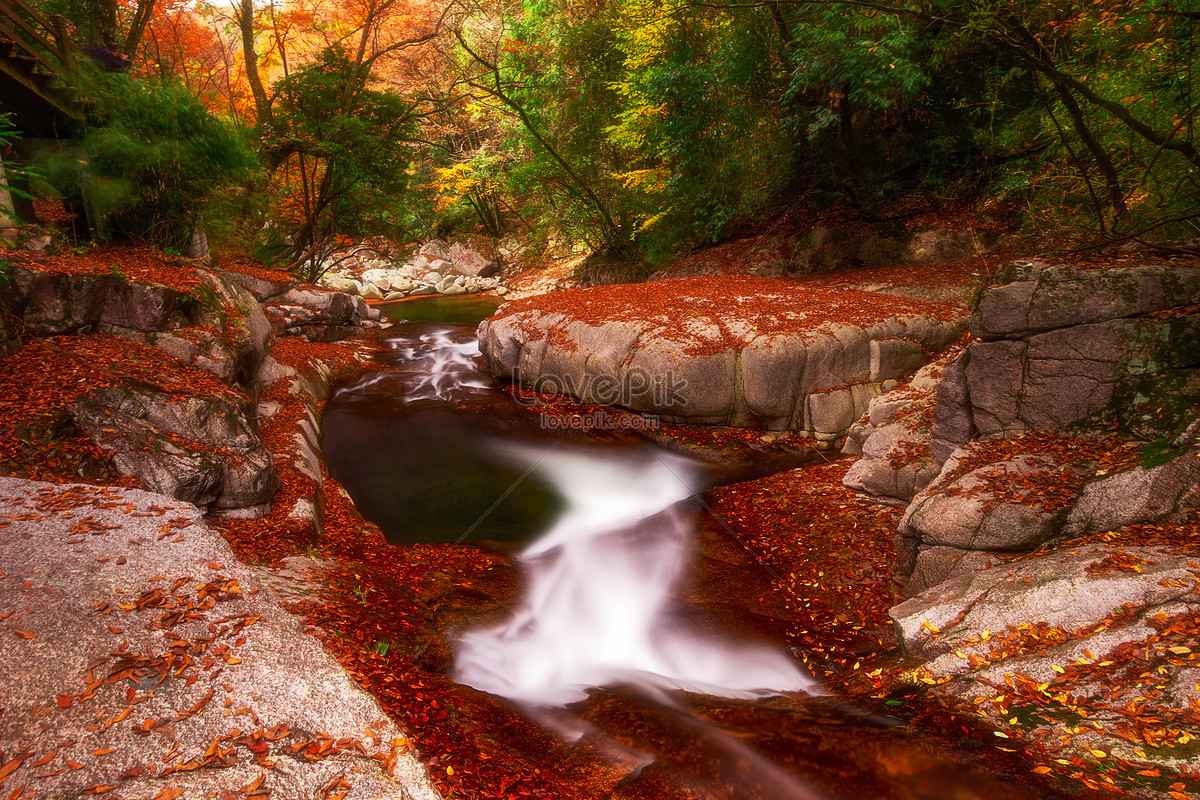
(597, 586)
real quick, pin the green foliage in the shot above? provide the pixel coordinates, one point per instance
(559, 63)
(15, 176)
(701, 112)
(873, 60)
(349, 153)
(149, 159)
(688, 120)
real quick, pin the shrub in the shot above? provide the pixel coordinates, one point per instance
(149, 159)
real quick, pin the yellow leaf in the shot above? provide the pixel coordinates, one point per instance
(1057, 669)
(1041, 770)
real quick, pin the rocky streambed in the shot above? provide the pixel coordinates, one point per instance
(1046, 462)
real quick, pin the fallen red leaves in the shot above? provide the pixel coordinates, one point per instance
(282, 533)
(692, 311)
(248, 266)
(1072, 461)
(134, 262)
(833, 557)
(36, 438)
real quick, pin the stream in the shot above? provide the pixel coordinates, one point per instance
(627, 676)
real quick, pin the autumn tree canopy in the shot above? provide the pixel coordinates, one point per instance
(646, 128)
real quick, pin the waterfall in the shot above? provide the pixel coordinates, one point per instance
(433, 364)
(597, 588)
(448, 367)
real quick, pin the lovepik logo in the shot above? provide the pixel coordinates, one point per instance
(634, 388)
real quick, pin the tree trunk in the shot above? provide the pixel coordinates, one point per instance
(262, 106)
(1116, 196)
(102, 21)
(141, 16)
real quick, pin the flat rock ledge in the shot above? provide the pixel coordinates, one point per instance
(1102, 628)
(138, 656)
(739, 351)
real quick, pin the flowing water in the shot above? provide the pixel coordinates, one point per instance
(604, 525)
(598, 587)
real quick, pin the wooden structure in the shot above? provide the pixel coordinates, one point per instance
(38, 89)
(37, 68)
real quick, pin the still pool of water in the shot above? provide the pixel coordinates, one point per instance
(460, 309)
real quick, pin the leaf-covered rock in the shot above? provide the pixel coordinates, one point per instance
(155, 665)
(730, 351)
(1091, 649)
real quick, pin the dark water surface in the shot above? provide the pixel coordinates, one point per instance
(417, 445)
(459, 309)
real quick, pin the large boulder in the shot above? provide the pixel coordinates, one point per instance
(202, 450)
(263, 284)
(1112, 350)
(996, 507)
(152, 663)
(732, 351)
(1101, 631)
(1059, 344)
(218, 326)
(229, 338)
(467, 260)
(320, 315)
(990, 499)
(51, 303)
